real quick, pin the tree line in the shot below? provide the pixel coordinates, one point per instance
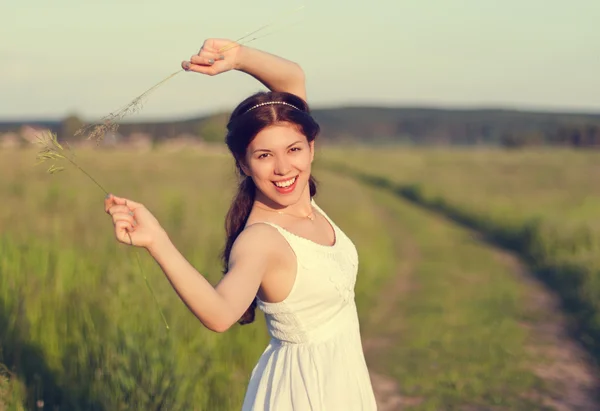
(507, 128)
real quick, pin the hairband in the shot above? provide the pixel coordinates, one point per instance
(271, 103)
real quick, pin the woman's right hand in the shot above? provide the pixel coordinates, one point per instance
(215, 56)
(134, 224)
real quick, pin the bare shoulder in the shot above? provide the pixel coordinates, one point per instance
(258, 239)
(260, 231)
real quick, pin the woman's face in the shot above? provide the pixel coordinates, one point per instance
(279, 161)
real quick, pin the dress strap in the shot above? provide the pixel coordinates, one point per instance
(320, 210)
(276, 226)
(287, 235)
(299, 243)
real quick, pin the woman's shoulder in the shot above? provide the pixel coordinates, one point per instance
(259, 230)
(262, 233)
(258, 239)
(261, 240)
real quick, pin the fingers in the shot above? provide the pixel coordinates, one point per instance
(124, 217)
(211, 49)
(118, 209)
(187, 66)
(113, 201)
(132, 205)
(199, 62)
(206, 58)
(122, 230)
(108, 202)
(125, 224)
(122, 212)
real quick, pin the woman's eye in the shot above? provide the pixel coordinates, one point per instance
(264, 155)
(296, 149)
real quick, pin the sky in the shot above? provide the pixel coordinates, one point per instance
(91, 58)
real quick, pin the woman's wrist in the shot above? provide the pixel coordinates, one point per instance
(240, 58)
(160, 242)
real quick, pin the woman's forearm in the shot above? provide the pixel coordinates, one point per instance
(195, 291)
(276, 73)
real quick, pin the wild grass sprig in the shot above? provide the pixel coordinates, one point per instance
(109, 123)
(245, 40)
(52, 151)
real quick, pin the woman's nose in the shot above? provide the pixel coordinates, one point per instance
(282, 166)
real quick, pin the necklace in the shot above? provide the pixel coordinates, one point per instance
(310, 216)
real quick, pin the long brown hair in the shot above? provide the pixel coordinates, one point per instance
(243, 126)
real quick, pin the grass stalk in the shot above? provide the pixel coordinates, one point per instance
(52, 150)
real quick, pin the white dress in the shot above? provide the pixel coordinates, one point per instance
(314, 361)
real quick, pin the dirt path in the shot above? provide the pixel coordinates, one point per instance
(387, 393)
(566, 367)
(560, 362)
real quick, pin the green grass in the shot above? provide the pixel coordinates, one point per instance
(542, 204)
(558, 186)
(79, 327)
(10, 391)
(81, 331)
(457, 336)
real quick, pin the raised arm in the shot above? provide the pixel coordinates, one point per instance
(217, 307)
(276, 73)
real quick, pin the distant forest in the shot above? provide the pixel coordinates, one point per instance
(377, 125)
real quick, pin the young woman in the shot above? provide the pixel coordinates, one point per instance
(283, 253)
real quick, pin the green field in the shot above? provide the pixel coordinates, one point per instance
(540, 203)
(80, 331)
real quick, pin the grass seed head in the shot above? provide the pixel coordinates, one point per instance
(51, 151)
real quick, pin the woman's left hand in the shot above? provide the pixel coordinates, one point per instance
(216, 56)
(133, 223)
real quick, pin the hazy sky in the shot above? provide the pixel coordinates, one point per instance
(93, 57)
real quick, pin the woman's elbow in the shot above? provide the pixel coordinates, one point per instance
(220, 319)
(297, 83)
(218, 326)
(299, 76)
(300, 72)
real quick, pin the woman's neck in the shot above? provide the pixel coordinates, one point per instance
(301, 207)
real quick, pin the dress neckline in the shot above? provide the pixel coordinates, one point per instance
(336, 235)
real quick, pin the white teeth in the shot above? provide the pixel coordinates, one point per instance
(284, 184)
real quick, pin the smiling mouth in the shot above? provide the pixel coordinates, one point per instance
(286, 183)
